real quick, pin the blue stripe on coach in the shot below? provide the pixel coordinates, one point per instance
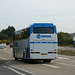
(43, 42)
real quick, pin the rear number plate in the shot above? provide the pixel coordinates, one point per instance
(43, 53)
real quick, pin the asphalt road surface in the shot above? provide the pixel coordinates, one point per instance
(64, 65)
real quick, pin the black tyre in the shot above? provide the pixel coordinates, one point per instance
(46, 61)
(24, 60)
(16, 59)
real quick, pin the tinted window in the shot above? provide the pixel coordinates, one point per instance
(25, 33)
(44, 30)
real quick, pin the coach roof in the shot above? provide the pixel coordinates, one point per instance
(43, 25)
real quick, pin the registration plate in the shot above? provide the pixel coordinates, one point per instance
(43, 53)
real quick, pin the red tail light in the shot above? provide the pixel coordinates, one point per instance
(49, 52)
(35, 52)
(52, 52)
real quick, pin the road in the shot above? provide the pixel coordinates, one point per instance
(64, 65)
(66, 48)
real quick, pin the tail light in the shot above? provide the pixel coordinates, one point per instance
(52, 52)
(49, 52)
(35, 52)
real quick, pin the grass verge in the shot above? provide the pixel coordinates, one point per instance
(67, 45)
(66, 52)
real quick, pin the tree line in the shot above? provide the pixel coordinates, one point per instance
(63, 38)
(5, 34)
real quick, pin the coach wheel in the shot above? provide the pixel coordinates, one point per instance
(16, 59)
(46, 61)
(24, 60)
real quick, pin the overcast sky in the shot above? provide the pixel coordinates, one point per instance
(22, 13)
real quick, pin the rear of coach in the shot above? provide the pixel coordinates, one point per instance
(43, 41)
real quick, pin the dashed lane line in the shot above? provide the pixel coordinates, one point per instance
(23, 70)
(51, 66)
(15, 70)
(66, 59)
(63, 58)
(65, 64)
(16, 67)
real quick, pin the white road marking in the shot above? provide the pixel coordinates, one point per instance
(3, 58)
(15, 70)
(66, 59)
(65, 64)
(22, 70)
(63, 58)
(51, 66)
(16, 67)
(6, 51)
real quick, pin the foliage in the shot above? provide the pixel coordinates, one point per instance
(8, 31)
(64, 39)
(5, 34)
(4, 41)
(66, 52)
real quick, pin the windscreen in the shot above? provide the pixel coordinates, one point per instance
(43, 30)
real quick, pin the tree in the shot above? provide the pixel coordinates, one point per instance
(9, 31)
(64, 39)
(3, 36)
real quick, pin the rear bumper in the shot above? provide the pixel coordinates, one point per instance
(41, 57)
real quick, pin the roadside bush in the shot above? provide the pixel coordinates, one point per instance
(67, 41)
(64, 39)
(0, 41)
(4, 41)
(66, 52)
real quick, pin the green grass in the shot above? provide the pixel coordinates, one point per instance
(67, 45)
(66, 52)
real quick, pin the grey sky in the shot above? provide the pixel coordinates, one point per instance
(22, 13)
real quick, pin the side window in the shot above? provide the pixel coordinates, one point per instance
(22, 34)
